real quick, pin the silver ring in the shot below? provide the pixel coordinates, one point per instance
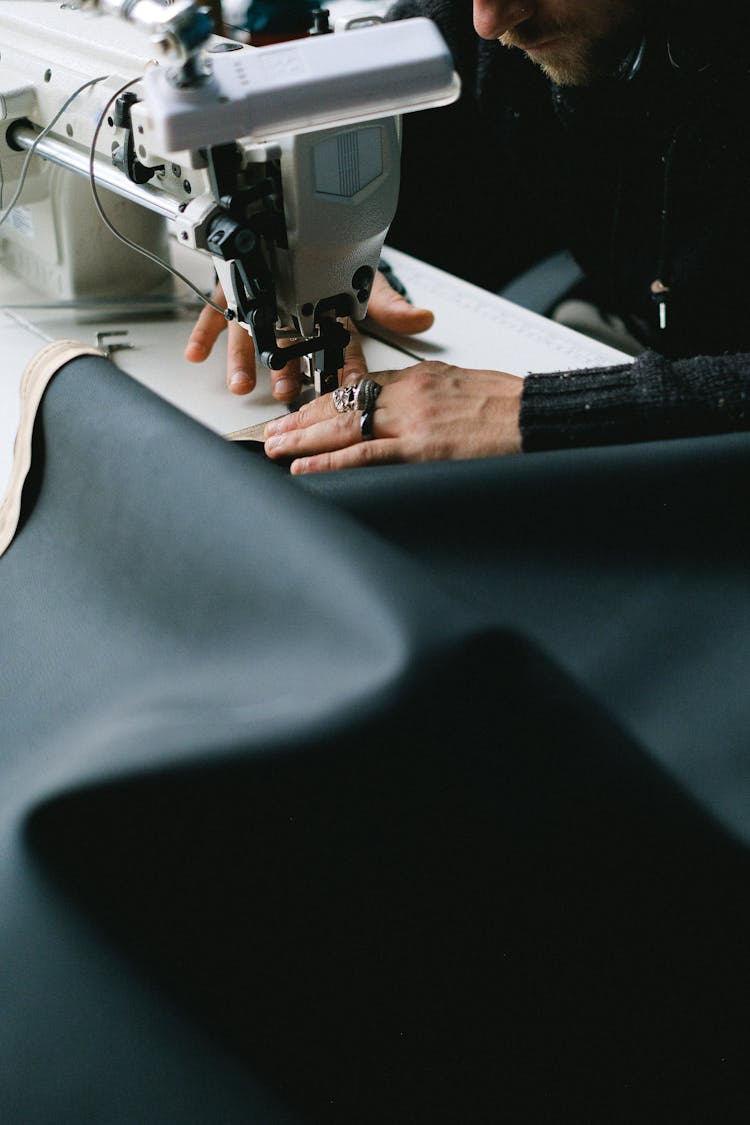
(367, 395)
(345, 398)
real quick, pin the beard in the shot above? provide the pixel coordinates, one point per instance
(576, 54)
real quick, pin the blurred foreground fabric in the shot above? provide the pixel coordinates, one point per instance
(397, 796)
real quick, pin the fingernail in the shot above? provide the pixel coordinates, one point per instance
(196, 351)
(353, 377)
(239, 382)
(282, 424)
(274, 443)
(284, 388)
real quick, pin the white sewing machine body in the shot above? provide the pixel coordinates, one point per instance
(53, 237)
(282, 162)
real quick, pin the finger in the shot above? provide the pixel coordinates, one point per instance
(389, 309)
(355, 364)
(240, 349)
(334, 432)
(364, 453)
(208, 327)
(318, 410)
(286, 383)
(240, 359)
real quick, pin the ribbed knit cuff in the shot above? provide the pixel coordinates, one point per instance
(651, 398)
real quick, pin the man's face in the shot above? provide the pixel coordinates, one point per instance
(573, 41)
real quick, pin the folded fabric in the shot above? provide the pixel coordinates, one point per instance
(42, 367)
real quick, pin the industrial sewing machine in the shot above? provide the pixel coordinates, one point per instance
(281, 162)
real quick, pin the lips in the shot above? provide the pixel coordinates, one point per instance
(533, 48)
(532, 38)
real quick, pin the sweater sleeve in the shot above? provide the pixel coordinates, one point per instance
(650, 399)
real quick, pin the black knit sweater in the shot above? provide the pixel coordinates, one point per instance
(645, 178)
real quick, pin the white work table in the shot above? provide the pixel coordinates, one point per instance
(472, 328)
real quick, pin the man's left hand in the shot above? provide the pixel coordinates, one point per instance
(429, 412)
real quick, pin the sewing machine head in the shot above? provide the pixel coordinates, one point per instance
(282, 162)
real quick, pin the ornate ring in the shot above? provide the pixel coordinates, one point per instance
(367, 395)
(345, 398)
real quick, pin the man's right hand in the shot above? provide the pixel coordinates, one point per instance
(387, 308)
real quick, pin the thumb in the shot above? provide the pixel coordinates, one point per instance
(390, 310)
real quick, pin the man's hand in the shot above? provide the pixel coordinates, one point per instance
(386, 307)
(429, 412)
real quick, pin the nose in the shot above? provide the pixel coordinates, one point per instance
(492, 18)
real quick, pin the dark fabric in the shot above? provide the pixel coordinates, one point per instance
(628, 565)
(421, 799)
(644, 179)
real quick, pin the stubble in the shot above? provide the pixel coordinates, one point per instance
(576, 52)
